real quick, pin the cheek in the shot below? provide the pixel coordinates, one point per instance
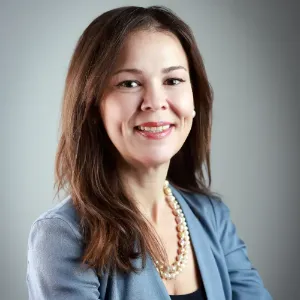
(117, 110)
(183, 104)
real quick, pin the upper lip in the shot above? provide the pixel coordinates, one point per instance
(155, 124)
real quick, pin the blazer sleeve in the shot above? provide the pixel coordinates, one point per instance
(246, 283)
(54, 269)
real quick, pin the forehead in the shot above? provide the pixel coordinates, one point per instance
(152, 48)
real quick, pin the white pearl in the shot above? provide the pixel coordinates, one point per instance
(168, 191)
(170, 198)
(179, 257)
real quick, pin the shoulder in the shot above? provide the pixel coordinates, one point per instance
(59, 223)
(212, 204)
(54, 257)
(63, 211)
(209, 208)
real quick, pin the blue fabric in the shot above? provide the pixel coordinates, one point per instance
(55, 272)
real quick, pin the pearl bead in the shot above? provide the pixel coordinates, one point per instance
(180, 228)
(181, 235)
(170, 198)
(179, 257)
(175, 212)
(181, 251)
(178, 220)
(168, 191)
(182, 243)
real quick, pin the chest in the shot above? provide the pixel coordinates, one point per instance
(189, 279)
(148, 284)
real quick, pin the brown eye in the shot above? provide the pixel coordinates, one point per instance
(128, 84)
(174, 81)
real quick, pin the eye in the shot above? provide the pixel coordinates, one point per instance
(174, 81)
(128, 84)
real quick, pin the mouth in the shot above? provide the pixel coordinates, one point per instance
(155, 130)
(154, 126)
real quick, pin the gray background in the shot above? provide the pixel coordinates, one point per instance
(250, 50)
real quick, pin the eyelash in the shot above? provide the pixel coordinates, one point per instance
(128, 81)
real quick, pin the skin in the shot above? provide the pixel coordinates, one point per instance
(151, 93)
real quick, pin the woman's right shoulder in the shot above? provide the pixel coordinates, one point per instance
(54, 261)
(59, 221)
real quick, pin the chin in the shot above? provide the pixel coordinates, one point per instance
(153, 160)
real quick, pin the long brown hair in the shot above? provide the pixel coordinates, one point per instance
(113, 228)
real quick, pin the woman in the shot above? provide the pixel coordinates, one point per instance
(140, 221)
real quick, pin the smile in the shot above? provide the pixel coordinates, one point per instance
(152, 132)
(154, 129)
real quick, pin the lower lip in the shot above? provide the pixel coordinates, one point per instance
(155, 135)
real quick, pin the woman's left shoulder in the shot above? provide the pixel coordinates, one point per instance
(209, 207)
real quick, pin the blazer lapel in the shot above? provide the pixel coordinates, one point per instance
(143, 285)
(204, 255)
(148, 284)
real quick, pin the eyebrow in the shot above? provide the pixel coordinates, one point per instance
(137, 71)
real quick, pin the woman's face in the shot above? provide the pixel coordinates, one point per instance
(147, 109)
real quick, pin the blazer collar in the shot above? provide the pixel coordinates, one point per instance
(204, 254)
(148, 284)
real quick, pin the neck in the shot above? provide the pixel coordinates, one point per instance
(145, 187)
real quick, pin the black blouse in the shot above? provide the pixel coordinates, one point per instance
(197, 295)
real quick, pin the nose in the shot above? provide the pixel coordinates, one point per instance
(154, 98)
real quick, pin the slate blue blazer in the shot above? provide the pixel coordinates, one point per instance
(55, 248)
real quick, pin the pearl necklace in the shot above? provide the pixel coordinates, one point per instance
(171, 271)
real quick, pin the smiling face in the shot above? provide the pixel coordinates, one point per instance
(147, 108)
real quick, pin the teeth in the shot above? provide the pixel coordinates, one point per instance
(154, 129)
